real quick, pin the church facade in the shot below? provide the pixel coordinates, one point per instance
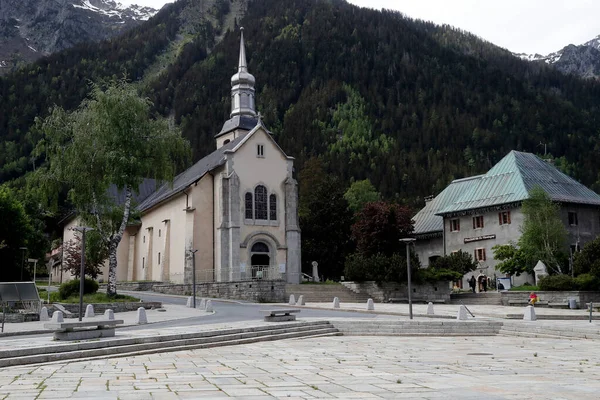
(233, 214)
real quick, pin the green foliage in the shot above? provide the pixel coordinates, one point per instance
(587, 261)
(71, 288)
(513, 259)
(379, 267)
(325, 221)
(110, 140)
(15, 232)
(460, 262)
(360, 193)
(379, 228)
(439, 274)
(543, 235)
(96, 298)
(557, 283)
(587, 282)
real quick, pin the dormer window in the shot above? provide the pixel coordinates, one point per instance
(260, 151)
(226, 141)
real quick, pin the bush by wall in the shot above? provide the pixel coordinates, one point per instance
(71, 288)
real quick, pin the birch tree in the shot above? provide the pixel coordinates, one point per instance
(110, 139)
(543, 235)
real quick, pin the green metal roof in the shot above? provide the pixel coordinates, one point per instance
(511, 179)
(426, 220)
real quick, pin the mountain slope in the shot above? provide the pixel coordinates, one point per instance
(30, 29)
(407, 104)
(582, 60)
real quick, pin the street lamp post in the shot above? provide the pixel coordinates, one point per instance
(193, 276)
(24, 249)
(408, 241)
(83, 230)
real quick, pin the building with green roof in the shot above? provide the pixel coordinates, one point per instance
(476, 213)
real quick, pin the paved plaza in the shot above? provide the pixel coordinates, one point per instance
(346, 367)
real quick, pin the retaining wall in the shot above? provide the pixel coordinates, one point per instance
(383, 292)
(258, 291)
(553, 297)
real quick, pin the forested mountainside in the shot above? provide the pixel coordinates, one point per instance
(30, 29)
(407, 104)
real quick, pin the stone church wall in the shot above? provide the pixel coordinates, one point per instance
(257, 291)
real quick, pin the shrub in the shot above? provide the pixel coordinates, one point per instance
(438, 274)
(557, 283)
(379, 267)
(71, 288)
(587, 282)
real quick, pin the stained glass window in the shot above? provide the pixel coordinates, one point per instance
(260, 202)
(273, 207)
(248, 205)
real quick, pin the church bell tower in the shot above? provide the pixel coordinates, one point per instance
(243, 116)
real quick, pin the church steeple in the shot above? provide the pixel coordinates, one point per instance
(242, 86)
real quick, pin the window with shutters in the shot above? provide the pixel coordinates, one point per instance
(478, 222)
(480, 254)
(504, 218)
(273, 207)
(248, 205)
(455, 225)
(260, 202)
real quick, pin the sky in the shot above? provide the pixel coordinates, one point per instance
(521, 26)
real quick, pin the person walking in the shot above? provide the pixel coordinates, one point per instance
(484, 284)
(472, 283)
(533, 298)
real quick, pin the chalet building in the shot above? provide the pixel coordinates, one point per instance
(237, 207)
(476, 213)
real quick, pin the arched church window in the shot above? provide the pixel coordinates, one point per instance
(273, 207)
(260, 247)
(260, 202)
(248, 205)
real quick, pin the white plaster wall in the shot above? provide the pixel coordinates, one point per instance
(270, 171)
(202, 199)
(152, 222)
(231, 136)
(217, 216)
(426, 248)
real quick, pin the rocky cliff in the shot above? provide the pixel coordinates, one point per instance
(30, 29)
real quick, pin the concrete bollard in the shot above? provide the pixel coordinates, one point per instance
(370, 305)
(89, 311)
(300, 301)
(109, 315)
(202, 304)
(336, 302)
(141, 316)
(292, 300)
(430, 308)
(209, 306)
(57, 316)
(190, 302)
(462, 313)
(44, 314)
(529, 314)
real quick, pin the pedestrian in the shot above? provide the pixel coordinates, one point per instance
(533, 298)
(472, 283)
(484, 284)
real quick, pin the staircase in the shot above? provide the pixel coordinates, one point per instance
(418, 328)
(167, 343)
(471, 299)
(324, 293)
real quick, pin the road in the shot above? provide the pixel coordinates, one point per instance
(229, 311)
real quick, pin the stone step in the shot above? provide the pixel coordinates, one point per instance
(167, 343)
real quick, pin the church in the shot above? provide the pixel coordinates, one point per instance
(233, 214)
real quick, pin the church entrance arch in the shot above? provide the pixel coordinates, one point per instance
(260, 259)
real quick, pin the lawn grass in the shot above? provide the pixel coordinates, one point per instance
(524, 288)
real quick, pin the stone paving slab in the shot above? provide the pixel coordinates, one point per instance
(330, 368)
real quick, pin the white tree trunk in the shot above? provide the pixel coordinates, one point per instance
(111, 288)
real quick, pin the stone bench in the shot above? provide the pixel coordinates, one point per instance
(80, 330)
(595, 306)
(417, 300)
(541, 303)
(558, 305)
(280, 315)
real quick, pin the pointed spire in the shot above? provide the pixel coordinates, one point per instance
(243, 65)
